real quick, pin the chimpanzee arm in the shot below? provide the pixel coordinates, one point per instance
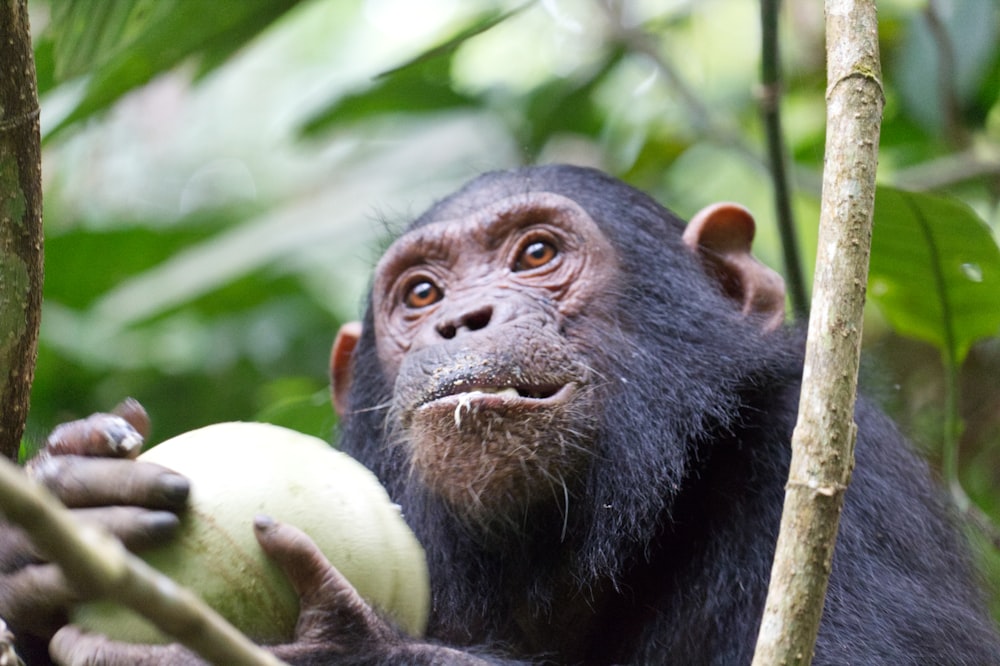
(336, 626)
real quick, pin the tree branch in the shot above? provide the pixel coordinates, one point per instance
(98, 566)
(823, 441)
(978, 161)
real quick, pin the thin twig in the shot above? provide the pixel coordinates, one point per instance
(697, 112)
(950, 106)
(770, 104)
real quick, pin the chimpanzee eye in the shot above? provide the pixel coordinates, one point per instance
(535, 255)
(422, 293)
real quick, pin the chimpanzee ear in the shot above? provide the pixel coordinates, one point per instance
(721, 235)
(341, 368)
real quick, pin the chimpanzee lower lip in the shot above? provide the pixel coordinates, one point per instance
(526, 395)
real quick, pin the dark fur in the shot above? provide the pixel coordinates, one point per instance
(667, 549)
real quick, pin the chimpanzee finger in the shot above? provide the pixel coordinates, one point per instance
(97, 435)
(73, 647)
(306, 567)
(80, 482)
(16, 549)
(135, 527)
(133, 412)
(328, 603)
(37, 597)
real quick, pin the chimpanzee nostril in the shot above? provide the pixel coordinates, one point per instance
(471, 321)
(478, 319)
(446, 331)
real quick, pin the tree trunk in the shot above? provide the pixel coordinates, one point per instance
(20, 223)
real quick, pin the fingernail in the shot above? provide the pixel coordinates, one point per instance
(122, 437)
(262, 522)
(160, 524)
(174, 488)
(133, 412)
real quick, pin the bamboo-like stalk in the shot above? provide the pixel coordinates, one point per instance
(823, 440)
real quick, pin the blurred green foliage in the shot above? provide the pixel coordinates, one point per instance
(935, 271)
(219, 178)
(121, 45)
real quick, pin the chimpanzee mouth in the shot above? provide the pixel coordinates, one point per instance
(470, 395)
(465, 400)
(528, 392)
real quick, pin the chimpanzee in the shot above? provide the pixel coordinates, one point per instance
(584, 409)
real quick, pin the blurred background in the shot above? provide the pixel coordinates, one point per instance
(220, 178)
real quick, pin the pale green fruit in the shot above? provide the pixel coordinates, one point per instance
(239, 470)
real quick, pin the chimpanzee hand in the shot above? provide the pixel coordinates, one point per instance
(88, 465)
(334, 624)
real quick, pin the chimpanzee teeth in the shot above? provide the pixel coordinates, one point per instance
(494, 390)
(465, 400)
(512, 391)
(508, 391)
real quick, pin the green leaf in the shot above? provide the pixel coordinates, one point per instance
(566, 105)
(88, 34)
(970, 31)
(85, 261)
(477, 26)
(421, 88)
(45, 64)
(935, 270)
(421, 84)
(127, 43)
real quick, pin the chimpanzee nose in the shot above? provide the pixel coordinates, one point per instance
(472, 320)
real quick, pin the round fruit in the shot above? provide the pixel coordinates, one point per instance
(240, 470)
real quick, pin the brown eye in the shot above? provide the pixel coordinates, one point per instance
(535, 255)
(422, 293)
